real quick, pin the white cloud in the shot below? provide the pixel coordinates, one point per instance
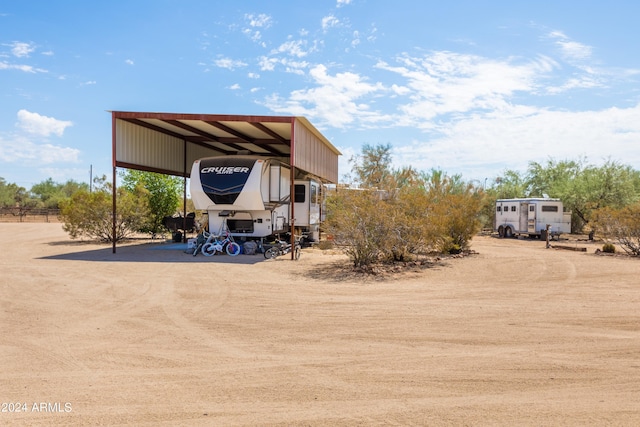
(267, 64)
(329, 21)
(228, 63)
(256, 23)
(21, 49)
(21, 67)
(333, 100)
(129, 62)
(444, 83)
(36, 124)
(292, 48)
(261, 20)
(341, 3)
(482, 147)
(570, 49)
(16, 149)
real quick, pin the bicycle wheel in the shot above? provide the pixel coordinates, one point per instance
(271, 253)
(233, 248)
(297, 252)
(208, 249)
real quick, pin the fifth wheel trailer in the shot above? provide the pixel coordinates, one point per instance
(530, 216)
(250, 196)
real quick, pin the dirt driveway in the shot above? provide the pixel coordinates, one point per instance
(515, 335)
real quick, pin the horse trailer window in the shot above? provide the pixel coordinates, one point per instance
(548, 208)
(532, 208)
(498, 209)
(513, 208)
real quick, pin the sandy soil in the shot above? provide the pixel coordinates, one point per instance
(515, 335)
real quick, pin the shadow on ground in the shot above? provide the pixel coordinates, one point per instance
(147, 252)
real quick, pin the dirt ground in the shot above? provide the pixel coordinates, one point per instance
(515, 335)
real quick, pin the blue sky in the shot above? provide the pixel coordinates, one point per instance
(469, 87)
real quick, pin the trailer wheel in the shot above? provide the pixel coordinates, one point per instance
(508, 233)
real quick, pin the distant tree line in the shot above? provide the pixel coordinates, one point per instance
(385, 214)
(46, 194)
(143, 200)
(583, 188)
(378, 213)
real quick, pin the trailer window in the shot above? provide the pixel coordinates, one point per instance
(548, 208)
(513, 208)
(314, 194)
(299, 193)
(499, 209)
(532, 208)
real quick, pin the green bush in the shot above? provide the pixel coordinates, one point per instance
(609, 248)
(90, 214)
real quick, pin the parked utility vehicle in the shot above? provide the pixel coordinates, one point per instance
(531, 216)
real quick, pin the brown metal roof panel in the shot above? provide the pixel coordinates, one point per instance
(137, 145)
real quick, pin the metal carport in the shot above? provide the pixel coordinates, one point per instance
(169, 143)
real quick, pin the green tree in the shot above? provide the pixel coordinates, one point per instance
(90, 214)
(49, 194)
(584, 188)
(372, 168)
(10, 194)
(510, 185)
(164, 196)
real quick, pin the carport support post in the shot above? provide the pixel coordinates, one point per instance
(113, 214)
(184, 190)
(292, 190)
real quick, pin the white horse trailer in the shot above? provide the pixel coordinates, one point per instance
(250, 196)
(531, 216)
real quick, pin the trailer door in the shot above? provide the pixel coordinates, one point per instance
(523, 216)
(532, 218)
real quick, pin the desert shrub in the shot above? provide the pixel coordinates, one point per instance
(621, 225)
(609, 248)
(325, 245)
(357, 225)
(90, 214)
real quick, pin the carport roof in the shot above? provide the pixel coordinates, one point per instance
(170, 142)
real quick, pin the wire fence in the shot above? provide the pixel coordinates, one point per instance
(29, 215)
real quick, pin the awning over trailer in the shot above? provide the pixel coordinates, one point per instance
(169, 143)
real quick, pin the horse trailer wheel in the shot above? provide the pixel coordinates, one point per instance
(508, 233)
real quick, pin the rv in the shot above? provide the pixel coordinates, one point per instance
(531, 216)
(250, 196)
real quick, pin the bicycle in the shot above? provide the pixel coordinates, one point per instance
(202, 238)
(214, 245)
(282, 248)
